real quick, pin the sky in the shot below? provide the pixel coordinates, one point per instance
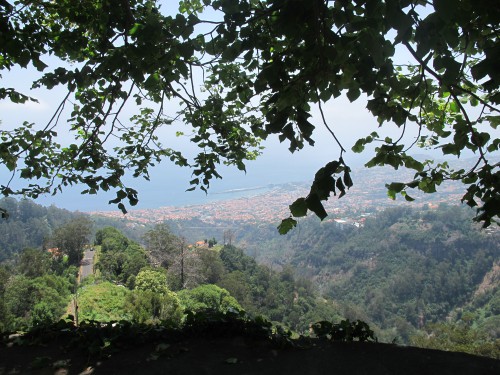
(168, 183)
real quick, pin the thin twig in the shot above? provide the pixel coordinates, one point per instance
(342, 150)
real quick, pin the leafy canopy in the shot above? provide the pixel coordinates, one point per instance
(262, 68)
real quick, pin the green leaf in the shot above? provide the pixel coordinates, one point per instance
(121, 206)
(232, 52)
(299, 207)
(135, 28)
(347, 179)
(480, 70)
(353, 94)
(396, 186)
(454, 107)
(407, 197)
(39, 64)
(447, 8)
(493, 120)
(24, 58)
(482, 138)
(413, 164)
(287, 225)
(152, 82)
(340, 186)
(314, 204)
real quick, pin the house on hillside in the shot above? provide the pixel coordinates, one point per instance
(55, 252)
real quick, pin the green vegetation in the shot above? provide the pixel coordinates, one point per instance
(209, 297)
(457, 337)
(28, 301)
(243, 71)
(155, 308)
(152, 302)
(29, 225)
(484, 311)
(154, 280)
(35, 285)
(275, 295)
(344, 331)
(71, 238)
(405, 272)
(102, 302)
(119, 258)
(189, 273)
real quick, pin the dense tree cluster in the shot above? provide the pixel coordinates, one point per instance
(34, 293)
(121, 259)
(36, 285)
(71, 238)
(29, 225)
(457, 337)
(404, 269)
(277, 295)
(404, 272)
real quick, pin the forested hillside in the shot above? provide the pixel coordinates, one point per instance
(40, 252)
(28, 225)
(31, 225)
(428, 277)
(154, 283)
(193, 273)
(404, 269)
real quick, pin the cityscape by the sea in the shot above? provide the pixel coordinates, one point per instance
(269, 204)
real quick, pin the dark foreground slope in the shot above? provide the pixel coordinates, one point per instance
(230, 354)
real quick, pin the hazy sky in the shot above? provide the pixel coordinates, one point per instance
(276, 165)
(349, 121)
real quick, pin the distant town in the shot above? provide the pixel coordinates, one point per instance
(270, 205)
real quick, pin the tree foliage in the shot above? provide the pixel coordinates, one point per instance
(31, 301)
(121, 259)
(263, 67)
(154, 280)
(279, 296)
(162, 245)
(405, 268)
(72, 237)
(34, 262)
(458, 337)
(168, 250)
(209, 297)
(29, 225)
(150, 307)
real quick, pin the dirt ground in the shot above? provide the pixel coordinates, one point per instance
(238, 355)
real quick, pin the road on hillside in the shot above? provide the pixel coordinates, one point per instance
(87, 264)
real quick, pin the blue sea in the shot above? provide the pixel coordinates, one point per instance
(168, 185)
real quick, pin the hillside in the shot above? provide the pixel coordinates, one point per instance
(422, 277)
(29, 225)
(403, 269)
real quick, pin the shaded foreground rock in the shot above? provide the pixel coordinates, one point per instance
(239, 355)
